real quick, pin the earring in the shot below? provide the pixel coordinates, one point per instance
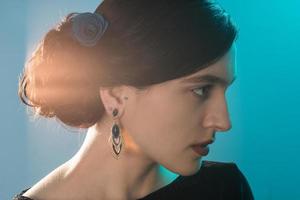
(116, 137)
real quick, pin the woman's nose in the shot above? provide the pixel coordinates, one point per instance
(216, 114)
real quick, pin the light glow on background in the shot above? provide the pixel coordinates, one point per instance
(263, 102)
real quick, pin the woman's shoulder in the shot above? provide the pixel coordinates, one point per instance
(36, 191)
(224, 175)
(225, 171)
(44, 187)
(215, 180)
(20, 195)
(218, 179)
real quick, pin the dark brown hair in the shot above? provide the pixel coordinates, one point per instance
(146, 42)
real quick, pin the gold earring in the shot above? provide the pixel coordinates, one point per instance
(116, 137)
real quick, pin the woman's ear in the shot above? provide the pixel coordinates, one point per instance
(113, 98)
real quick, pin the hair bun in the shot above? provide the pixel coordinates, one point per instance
(87, 28)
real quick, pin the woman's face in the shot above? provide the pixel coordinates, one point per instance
(165, 121)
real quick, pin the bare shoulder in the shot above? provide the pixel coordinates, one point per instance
(47, 186)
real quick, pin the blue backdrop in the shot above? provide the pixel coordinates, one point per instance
(263, 102)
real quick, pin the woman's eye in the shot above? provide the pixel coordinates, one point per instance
(202, 91)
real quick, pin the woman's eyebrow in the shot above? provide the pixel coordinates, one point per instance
(210, 79)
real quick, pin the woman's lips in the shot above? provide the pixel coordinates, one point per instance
(202, 147)
(201, 150)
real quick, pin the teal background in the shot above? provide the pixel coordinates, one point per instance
(263, 102)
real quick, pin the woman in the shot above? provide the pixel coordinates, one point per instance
(148, 80)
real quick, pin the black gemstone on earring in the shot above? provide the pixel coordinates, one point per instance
(115, 112)
(115, 131)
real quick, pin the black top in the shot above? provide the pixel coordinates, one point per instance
(215, 180)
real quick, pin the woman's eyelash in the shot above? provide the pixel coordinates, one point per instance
(204, 90)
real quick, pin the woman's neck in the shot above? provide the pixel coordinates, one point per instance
(95, 173)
